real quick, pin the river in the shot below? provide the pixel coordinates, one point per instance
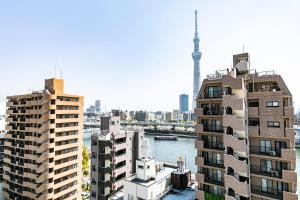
(170, 150)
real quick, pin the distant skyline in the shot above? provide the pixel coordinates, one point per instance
(136, 55)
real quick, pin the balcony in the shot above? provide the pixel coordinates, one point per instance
(214, 163)
(267, 192)
(240, 188)
(213, 145)
(200, 194)
(288, 154)
(289, 176)
(199, 144)
(199, 161)
(289, 111)
(214, 180)
(213, 111)
(213, 128)
(265, 171)
(216, 94)
(253, 112)
(253, 131)
(233, 102)
(265, 151)
(198, 128)
(239, 166)
(238, 145)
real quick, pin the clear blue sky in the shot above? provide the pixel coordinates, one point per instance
(137, 54)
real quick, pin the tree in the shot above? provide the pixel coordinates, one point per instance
(85, 161)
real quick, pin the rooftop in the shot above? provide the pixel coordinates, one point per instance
(187, 194)
(166, 171)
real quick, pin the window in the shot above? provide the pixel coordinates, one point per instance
(272, 103)
(273, 124)
(140, 167)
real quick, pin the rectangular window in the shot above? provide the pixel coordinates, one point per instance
(273, 124)
(272, 103)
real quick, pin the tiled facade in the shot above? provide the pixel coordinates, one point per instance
(43, 145)
(114, 152)
(245, 135)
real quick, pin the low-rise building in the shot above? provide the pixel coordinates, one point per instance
(158, 181)
(113, 155)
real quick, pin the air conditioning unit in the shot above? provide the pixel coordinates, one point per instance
(272, 153)
(275, 173)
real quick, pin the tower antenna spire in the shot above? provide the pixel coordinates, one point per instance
(196, 23)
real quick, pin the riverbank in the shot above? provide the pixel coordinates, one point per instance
(170, 133)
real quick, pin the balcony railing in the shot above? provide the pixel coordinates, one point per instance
(212, 111)
(267, 191)
(214, 180)
(213, 145)
(214, 162)
(213, 94)
(266, 171)
(213, 128)
(263, 150)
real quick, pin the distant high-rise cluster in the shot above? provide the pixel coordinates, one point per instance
(184, 103)
(94, 109)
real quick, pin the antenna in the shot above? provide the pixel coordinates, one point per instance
(55, 67)
(243, 48)
(60, 74)
(196, 26)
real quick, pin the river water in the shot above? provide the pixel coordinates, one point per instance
(170, 150)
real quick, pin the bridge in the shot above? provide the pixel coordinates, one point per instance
(144, 124)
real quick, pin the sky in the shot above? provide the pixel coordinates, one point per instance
(136, 55)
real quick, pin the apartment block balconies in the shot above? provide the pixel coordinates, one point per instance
(200, 194)
(199, 161)
(233, 102)
(290, 195)
(253, 131)
(234, 122)
(239, 187)
(266, 171)
(213, 128)
(198, 128)
(289, 111)
(213, 145)
(286, 154)
(214, 180)
(219, 163)
(266, 192)
(199, 144)
(239, 166)
(253, 111)
(238, 145)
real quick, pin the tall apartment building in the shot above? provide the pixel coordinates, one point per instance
(2, 134)
(114, 154)
(245, 135)
(43, 145)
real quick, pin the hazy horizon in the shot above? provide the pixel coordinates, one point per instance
(136, 55)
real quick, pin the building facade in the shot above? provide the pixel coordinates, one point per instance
(43, 145)
(245, 135)
(184, 103)
(114, 152)
(2, 134)
(98, 106)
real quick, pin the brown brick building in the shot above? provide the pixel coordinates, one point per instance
(43, 145)
(245, 146)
